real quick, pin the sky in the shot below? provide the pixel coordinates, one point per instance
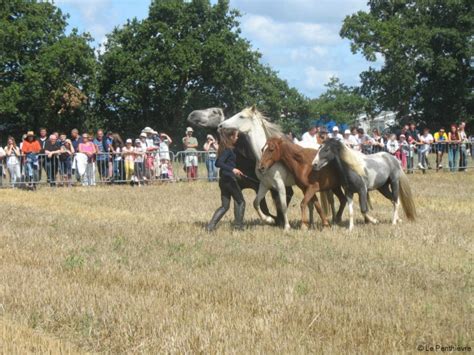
(297, 38)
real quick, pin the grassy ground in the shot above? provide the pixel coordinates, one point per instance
(124, 269)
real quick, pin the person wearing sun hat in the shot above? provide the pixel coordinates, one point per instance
(211, 148)
(336, 135)
(31, 148)
(190, 144)
(128, 154)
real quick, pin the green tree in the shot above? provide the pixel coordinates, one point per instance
(186, 55)
(46, 76)
(339, 103)
(427, 47)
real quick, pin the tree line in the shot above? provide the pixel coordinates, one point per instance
(190, 54)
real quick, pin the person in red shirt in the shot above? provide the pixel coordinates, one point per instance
(30, 149)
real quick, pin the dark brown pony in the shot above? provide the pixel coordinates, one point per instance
(299, 161)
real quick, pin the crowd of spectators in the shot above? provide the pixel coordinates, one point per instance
(105, 156)
(404, 145)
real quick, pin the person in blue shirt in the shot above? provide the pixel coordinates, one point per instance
(228, 185)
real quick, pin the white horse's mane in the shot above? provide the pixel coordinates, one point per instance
(271, 129)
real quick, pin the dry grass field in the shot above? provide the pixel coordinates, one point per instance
(120, 269)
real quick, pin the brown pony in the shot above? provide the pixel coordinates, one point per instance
(299, 161)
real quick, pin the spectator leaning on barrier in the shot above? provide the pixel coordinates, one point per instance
(52, 150)
(103, 149)
(118, 168)
(354, 138)
(42, 139)
(128, 154)
(412, 132)
(365, 141)
(211, 148)
(462, 146)
(454, 140)
(13, 156)
(65, 162)
(441, 139)
(190, 144)
(393, 147)
(378, 143)
(149, 145)
(31, 148)
(349, 140)
(425, 140)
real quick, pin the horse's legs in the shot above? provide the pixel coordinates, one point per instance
(282, 192)
(385, 191)
(342, 203)
(364, 207)
(308, 196)
(311, 212)
(394, 185)
(262, 190)
(333, 207)
(350, 203)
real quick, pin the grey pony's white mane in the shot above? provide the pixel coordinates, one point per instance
(273, 129)
(353, 158)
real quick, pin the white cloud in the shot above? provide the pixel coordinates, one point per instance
(312, 11)
(96, 15)
(315, 79)
(269, 32)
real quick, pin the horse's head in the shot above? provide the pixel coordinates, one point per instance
(245, 121)
(207, 118)
(328, 152)
(271, 153)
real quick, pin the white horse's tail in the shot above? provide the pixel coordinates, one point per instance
(406, 197)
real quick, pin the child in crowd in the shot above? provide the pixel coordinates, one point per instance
(128, 154)
(411, 154)
(140, 152)
(393, 147)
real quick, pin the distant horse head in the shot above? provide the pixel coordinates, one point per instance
(207, 118)
(271, 153)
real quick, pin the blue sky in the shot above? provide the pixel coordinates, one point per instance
(298, 38)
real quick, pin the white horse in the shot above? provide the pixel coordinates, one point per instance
(251, 122)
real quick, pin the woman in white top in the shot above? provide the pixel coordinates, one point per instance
(12, 153)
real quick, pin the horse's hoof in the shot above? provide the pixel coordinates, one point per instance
(270, 220)
(304, 227)
(287, 228)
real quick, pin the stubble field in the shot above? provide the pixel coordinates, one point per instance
(121, 269)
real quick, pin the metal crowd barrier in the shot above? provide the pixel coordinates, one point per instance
(163, 167)
(29, 171)
(440, 156)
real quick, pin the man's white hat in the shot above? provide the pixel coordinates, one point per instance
(147, 130)
(335, 128)
(189, 129)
